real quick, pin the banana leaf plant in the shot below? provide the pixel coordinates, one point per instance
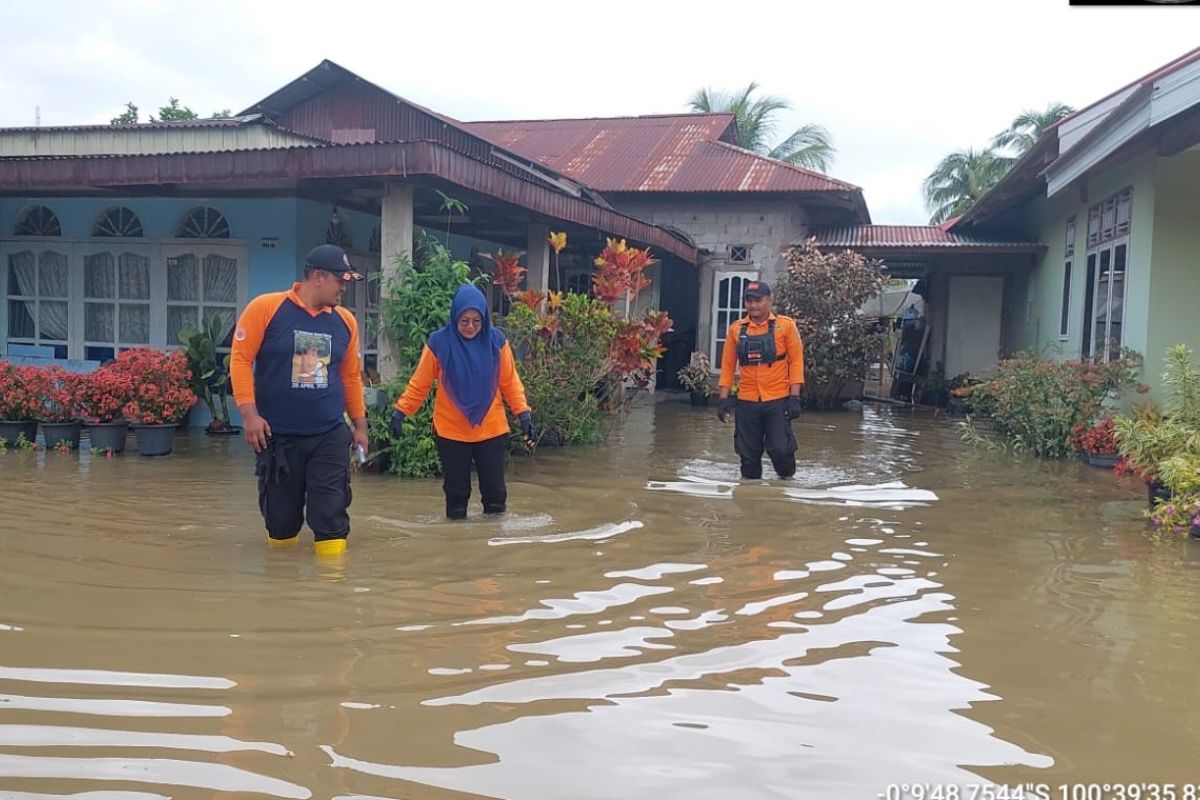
(210, 370)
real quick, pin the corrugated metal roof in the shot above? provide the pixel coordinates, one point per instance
(143, 139)
(396, 159)
(668, 153)
(908, 236)
(219, 122)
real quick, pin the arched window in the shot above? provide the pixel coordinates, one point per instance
(118, 221)
(38, 221)
(203, 222)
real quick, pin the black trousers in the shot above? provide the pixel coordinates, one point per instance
(299, 473)
(488, 458)
(759, 427)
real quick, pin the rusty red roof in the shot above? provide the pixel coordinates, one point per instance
(686, 153)
(909, 237)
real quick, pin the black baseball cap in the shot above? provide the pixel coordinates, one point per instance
(331, 258)
(757, 289)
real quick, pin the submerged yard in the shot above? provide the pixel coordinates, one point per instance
(640, 625)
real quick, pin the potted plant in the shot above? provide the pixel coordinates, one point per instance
(1164, 448)
(1098, 443)
(210, 373)
(102, 402)
(697, 378)
(21, 400)
(161, 397)
(60, 409)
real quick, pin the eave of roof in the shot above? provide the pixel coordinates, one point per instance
(397, 159)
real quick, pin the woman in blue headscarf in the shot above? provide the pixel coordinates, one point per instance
(475, 369)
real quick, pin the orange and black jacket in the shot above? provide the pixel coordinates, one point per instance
(299, 365)
(764, 382)
(448, 421)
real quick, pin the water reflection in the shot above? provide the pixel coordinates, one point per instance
(643, 624)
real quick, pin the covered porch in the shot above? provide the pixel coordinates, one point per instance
(268, 206)
(973, 299)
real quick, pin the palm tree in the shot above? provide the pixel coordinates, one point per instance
(1028, 126)
(960, 179)
(809, 146)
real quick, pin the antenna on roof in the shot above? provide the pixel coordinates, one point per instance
(37, 116)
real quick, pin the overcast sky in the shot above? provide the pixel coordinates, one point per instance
(898, 84)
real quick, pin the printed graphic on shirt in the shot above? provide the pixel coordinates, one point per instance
(310, 361)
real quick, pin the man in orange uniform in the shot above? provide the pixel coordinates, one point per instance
(475, 370)
(767, 352)
(296, 371)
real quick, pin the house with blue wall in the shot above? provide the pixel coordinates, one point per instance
(114, 237)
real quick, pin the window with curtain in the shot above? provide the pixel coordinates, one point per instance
(37, 289)
(198, 287)
(116, 303)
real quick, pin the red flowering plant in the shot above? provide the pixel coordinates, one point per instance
(1096, 440)
(22, 392)
(160, 383)
(62, 395)
(105, 393)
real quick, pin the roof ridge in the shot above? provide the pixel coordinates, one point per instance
(600, 119)
(812, 173)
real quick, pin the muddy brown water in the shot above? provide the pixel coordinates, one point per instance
(640, 625)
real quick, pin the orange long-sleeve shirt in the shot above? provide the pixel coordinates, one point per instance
(292, 348)
(764, 382)
(448, 421)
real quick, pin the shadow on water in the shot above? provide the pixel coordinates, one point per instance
(642, 624)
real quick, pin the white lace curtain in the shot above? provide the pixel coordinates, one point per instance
(41, 283)
(116, 298)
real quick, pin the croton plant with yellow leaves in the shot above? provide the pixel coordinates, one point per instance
(578, 353)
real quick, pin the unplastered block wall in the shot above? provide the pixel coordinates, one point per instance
(767, 225)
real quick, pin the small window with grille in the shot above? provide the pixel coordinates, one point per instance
(739, 254)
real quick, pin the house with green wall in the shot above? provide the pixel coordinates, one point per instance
(1112, 193)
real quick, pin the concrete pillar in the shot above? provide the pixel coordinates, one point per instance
(396, 237)
(537, 258)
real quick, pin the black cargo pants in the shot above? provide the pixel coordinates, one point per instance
(762, 426)
(298, 474)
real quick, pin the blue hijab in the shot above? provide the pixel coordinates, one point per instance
(470, 367)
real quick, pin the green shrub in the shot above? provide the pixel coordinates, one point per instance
(1035, 404)
(413, 307)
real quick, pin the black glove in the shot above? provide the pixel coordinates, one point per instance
(792, 409)
(527, 430)
(724, 409)
(397, 426)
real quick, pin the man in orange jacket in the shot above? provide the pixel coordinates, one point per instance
(767, 352)
(295, 368)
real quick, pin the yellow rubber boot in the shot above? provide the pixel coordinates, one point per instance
(292, 542)
(330, 547)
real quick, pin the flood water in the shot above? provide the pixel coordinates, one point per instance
(640, 625)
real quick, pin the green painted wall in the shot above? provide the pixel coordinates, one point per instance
(1047, 220)
(1175, 277)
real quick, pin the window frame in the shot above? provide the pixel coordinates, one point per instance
(157, 251)
(1110, 225)
(734, 312)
